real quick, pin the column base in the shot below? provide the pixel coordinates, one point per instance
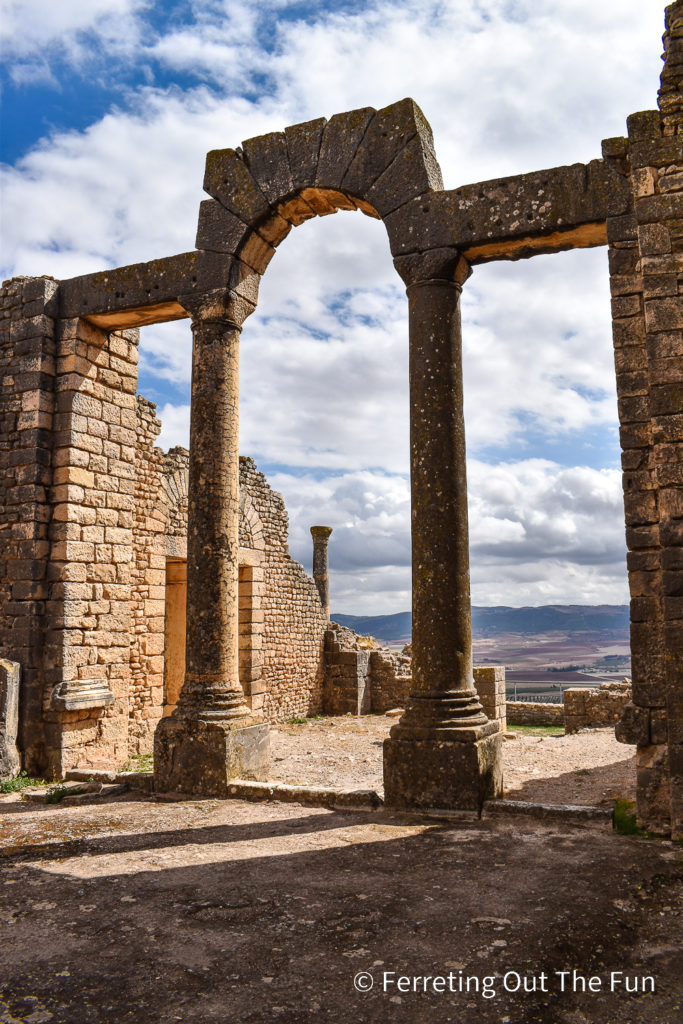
(200, 758)
(443, 774)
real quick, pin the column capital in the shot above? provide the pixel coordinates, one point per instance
(321, 531)
(217, 306)
(446, 266)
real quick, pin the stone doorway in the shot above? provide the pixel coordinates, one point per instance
(250, 633)
(174, 631)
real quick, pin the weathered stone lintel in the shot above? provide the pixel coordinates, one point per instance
(506, 218)
(146, 293)
(585, 236)
(509, 218)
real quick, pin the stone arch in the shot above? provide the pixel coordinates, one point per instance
(372, 160)
(251, 527)
(173, 491)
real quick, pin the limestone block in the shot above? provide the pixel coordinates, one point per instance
(389, 131)
(340, 141)
(439, 774)
(10, 678)
(228, 179)
(303, 147)
(634, 725)
(268, 161)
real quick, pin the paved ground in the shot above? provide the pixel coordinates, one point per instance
(207, 911)
(589, 767)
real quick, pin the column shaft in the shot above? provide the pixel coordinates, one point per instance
(212, 684)
(443, 694)
(321, 567)
(442, 633)
(212, 736)
(444, 752)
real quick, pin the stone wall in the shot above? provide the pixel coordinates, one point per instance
(363, 678)
(489, 681)
(646, 260)
(291, 613)
(148, 581)
(27, 372)
(585, 708)
(391, 679)
(281, 620)
(67, 438)
(527, 712)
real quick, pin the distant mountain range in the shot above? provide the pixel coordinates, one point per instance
(550, 618)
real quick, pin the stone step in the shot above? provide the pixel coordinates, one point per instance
(549, 812)
(74, 792)
(143, 781)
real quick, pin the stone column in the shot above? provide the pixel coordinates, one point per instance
(321, 566)
(443, 752)
(212, 736)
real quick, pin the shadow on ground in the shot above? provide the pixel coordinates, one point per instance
(598, 785)
(207, 912)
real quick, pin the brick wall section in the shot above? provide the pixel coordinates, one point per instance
(148, 581)
(89, 572)
(293, 621)
(27, 370)
(585, 708)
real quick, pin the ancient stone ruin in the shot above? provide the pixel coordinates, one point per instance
(93, 567)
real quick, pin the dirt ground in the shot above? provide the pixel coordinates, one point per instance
(590, 767)
(143, 911)
(224, 911)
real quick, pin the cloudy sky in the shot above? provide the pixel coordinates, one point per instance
(109, 108)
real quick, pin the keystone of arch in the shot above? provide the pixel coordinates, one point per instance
(372, 160)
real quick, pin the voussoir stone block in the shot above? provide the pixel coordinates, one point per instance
(228, 179)
(340, 141)
(414, 172)
(303, 146)
(389, 131)
(218, 229)
(268, 161)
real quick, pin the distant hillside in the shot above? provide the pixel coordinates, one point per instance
(549, 618)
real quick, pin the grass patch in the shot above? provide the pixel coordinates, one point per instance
(538, 730)
(297, 720)
(55, 794)
(18, 782)
(139, 763)
(625, 820)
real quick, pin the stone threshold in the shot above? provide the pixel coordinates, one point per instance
(549, 812)
(356, 799)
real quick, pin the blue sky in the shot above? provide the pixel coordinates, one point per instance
(108, 109)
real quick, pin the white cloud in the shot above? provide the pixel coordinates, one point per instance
(507, 88)
(69, 28)
(539, 533)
